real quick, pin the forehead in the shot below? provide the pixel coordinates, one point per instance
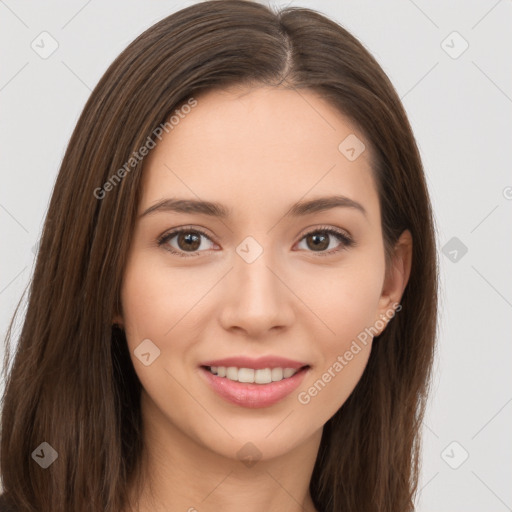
(259, 147)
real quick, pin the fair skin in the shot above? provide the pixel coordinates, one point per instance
(257, 154)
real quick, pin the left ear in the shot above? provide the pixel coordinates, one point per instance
(397, 276)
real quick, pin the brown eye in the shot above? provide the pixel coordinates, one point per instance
(317, 242)
(320, 240)
(187, 241)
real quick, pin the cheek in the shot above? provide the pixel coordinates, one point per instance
(342, 356)
(346, 300)
(156, 298)
(155, 304)
(143, 305)
(347, 303)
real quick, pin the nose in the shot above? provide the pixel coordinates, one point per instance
(258, 299)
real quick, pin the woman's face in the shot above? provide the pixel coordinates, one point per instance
(270, 278)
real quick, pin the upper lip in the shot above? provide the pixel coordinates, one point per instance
(256, 363)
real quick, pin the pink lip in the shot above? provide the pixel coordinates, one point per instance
(253, 395)
(257, 364)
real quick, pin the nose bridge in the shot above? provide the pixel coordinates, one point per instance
(258, 285)
(258, 300)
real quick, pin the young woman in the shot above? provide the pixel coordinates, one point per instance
(234, 301)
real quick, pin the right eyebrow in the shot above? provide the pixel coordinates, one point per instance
(189, 206)
(219, 210)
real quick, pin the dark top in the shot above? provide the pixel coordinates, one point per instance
(5, 506)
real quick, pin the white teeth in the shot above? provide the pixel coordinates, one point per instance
(232, 373)
(244, 375)
(277, 374)
(263, 376)
(250, 375)
(288, 372)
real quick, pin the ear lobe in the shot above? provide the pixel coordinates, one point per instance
(397, 275)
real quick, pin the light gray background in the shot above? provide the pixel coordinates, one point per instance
(460, 109)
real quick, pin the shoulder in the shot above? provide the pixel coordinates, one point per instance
(5, 505)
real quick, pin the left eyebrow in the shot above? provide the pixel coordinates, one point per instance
(189, 206)
(324, 203)
(215, 209)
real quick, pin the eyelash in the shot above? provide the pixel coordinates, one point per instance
(346, 240)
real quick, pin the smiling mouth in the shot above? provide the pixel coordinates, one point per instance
(254, 376)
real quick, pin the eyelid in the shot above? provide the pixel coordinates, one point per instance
(345, 238)
(170, 234)
(324, 227)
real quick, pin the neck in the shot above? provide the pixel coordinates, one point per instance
(180, 473)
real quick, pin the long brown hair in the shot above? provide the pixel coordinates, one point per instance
(71, 382)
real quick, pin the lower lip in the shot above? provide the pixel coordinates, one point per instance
(254, 395)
